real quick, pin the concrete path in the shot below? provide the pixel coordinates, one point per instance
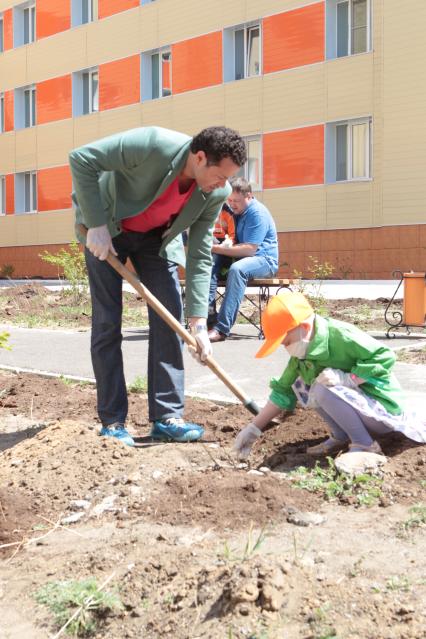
(67, 353)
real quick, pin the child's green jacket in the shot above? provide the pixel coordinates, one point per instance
(343, 346)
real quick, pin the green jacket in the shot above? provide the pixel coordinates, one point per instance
(340, 345)
(121, 175)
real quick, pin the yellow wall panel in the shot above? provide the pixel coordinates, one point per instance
(295, 98)
(113, 38)
(26, 149)
(349, 205)
(297, 209)
(54, 227)
(349, 87)
(157, 112)
(57, 55)
(116, 120)
(234, 13)
(404, 106)
(86, 129)
(13, 68)
(54, 142)
(194, 111)
(243, 105)
(268, 7)
(183, 20)
(7, 153)
(148, 27)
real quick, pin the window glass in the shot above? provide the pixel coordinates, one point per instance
(341, 152)
(253, 169)
(155, 75)
(95, 91)
(33, 192)
(2, 195)
(86, 93)
(27, 107)
(33, 107)
(32, 31)
(342, 29)
(253, 51)
(26, 26)
(239, 54)
(359, 150)
(166, 83)
(359, 26)
(1, 35)
(27, 205)
(1, 114)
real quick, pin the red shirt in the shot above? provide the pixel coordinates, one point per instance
(169, 204)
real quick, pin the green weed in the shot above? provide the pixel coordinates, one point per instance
(65, 598)
(417, 519)
(401, 584)
(334, 485)
(139, 385)
(72, 266)
(3, 341)
(251, 547)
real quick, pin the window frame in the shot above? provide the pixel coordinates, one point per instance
(332, 29)
(2, 124)
(2, 195)
(92, 98)
(229, 61)
(1, 33)
(147, 74)
(21, 193)
(25, 114)
(244, 171)
(77, 12)
(331, 167)
(19, 23)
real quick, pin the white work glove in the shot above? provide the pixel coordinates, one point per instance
(199, 331)
(336, 377)
(99, 242)
(245, 440)
(227, 242)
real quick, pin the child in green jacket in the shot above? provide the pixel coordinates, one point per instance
(336, 369)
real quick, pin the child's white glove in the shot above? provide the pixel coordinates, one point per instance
(336, 377)
(245, 440)
(227, 242)
(205, 347)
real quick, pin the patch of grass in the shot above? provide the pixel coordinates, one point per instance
(64, 598)
(320, 625)
(334, 485)
(251, 547)
(139, 385)
(400, 584)
(74, 382)
(417, 519)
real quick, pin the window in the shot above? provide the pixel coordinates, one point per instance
(25, 107)
(24, 24)
(146, 1)
(85, 92)
(348, 150)
(1, 34)
(2, 195)
(82, 12)
(26, 192)
(156, 74)
(252, 169)
(241, 52)
(1, 112)
(348, 27)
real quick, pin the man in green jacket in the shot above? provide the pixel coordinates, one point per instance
(136, 192)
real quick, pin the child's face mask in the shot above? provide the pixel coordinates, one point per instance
(299, 343)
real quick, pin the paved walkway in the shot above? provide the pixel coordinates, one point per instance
(67, 353)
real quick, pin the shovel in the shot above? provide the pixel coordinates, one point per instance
(165, 315)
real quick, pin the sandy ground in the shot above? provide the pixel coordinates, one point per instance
(175, 526)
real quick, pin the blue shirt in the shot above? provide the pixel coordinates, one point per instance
(256, 226)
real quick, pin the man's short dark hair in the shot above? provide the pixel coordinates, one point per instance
(219, 142)
(241, 185)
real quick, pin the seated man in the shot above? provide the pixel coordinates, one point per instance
(255, 254)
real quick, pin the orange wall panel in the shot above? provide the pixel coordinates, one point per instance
(54, 99)
(10, 194)
(293, 158)
(8, 29)
(197, 63)
(119, 83)
(294, 38)
(8, 111)
(52, 16)
(54, 188)
(109, 7)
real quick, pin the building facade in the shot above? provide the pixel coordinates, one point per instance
(327, 94)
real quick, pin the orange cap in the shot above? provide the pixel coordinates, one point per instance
(284, 312)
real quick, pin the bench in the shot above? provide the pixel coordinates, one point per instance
(266, 287)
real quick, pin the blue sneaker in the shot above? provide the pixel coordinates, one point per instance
(118, 431)
(175, 429)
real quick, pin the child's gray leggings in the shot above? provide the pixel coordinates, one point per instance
(344, 421)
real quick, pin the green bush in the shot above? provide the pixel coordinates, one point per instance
(72, 266)
(3, 341)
